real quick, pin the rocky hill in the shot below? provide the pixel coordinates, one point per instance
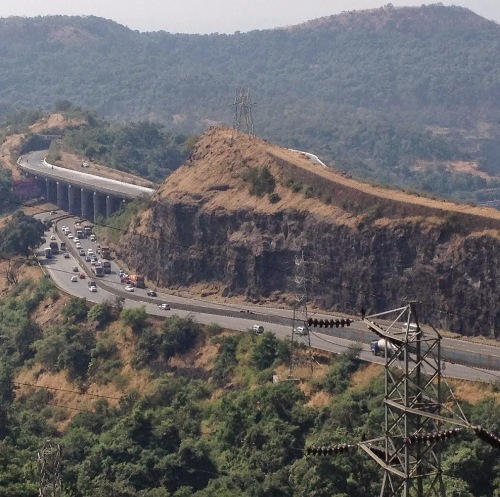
(240, 210)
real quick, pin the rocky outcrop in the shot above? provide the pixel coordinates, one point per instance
(446, 260)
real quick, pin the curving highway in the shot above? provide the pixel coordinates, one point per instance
(239, 317)
(34, 163)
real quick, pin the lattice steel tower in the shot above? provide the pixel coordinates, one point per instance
(300, 326)
(243, 111)
(49, 466)
(409, 450)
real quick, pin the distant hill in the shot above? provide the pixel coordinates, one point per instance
(404, 96)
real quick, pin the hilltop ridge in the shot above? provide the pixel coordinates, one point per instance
(217, 166)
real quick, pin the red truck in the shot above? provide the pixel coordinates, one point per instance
(134, 279)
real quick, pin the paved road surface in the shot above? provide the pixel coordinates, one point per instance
(34, 163)
(236, 317)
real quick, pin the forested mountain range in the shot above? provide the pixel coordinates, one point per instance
(404, 96)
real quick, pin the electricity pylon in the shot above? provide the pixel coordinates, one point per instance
(409, 451)
(243, 111)
(49, 466)
(300, 326)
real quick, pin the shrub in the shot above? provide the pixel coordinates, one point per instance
(274, 197)
(101, 313)
(179, 335)
(261, 179)
(265, 351)
(75, 309)
(295, 185)
(136, 318)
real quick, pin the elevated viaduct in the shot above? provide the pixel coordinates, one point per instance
(82, 194)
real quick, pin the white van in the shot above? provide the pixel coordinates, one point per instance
(258, 329)
(302, 331)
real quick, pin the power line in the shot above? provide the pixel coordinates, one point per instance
(272, 268)
(66, 390)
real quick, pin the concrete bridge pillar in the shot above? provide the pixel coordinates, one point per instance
(47, 190)
(112, 205)
(62, 195)
(74, 200)
(71, 199)
(86, 200)
(99, 204)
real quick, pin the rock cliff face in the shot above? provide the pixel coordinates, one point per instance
(364, 246)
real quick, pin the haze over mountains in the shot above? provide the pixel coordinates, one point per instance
(406, 96)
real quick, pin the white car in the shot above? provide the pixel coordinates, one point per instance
(90, 252)
(70, 235)
(52, 237)
(129, 288)
(78, 245)
(301, 330)
(258, 329)
(92, 289)
(165, 307)
(74, 279)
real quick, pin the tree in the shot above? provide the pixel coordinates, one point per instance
(75, 309)
(264, 352)
(178, 336)
(135, 317)
(13, 270)
(21, 235)
(101, 313)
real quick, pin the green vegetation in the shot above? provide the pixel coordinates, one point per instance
(261, 181)
(113, 227)
(145, 148)
(20, 235)
(374, 93)
(222, 430)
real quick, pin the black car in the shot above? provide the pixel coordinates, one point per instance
(151, 293)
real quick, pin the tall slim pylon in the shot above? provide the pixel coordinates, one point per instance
(300, 326)
(409, 451)
(243, 119)
(49, 467)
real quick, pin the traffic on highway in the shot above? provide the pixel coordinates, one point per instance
(84, 267)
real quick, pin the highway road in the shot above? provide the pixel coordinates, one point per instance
(235, 317)
(34, 163)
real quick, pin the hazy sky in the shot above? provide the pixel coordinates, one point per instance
(210, 16)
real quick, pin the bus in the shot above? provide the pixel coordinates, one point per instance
(97, 270)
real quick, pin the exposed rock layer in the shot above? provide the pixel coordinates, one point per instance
(364, 246)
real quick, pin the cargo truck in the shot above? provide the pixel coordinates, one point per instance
(105, 253)
(54, 247)
(134, 279)
(106, 267)
(383, 346)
